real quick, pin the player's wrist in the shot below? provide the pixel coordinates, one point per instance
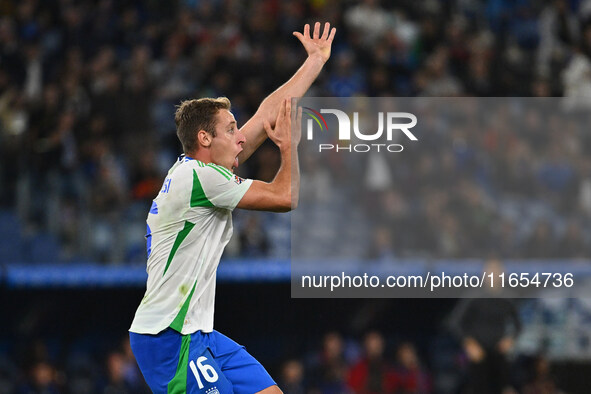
(285, 150)
(317, 58)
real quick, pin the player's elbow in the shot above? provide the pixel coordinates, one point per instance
(295, 199)
(289, 201)
(288, 208)
(286, 204)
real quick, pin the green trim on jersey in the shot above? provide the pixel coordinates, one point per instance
(177, 242)
(179, 321)
(178, 384)
(198, 197)
(222, 170)
(230, 173)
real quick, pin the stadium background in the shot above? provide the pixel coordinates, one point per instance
(87, 92)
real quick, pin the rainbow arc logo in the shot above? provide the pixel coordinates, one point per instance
(317, 117)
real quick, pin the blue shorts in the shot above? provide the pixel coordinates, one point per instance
(197, 363)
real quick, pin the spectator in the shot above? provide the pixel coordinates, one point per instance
(254, 241)
(541, 380)
(292, 377)
(368, 20)
(487, 328)
(372, 374)
(145, 179)
(571, 244)
(559, 29)
(43, 379)
(131, 372)
(541, 243)
(328, 370)
(381, 247)
(116, 383)
(409, 375)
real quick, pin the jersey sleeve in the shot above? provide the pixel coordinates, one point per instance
(218, 187)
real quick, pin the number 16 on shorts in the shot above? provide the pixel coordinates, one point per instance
(207, 375)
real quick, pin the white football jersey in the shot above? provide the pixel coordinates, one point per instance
(188, 226)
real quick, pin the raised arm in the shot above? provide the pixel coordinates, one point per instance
(282, 194)
(318, 48)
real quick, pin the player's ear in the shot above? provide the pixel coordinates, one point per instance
(204, 138)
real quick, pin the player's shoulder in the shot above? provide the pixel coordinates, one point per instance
(185, 165)
(217, 172)
(206, 172)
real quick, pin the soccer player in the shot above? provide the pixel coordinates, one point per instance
(190, 223)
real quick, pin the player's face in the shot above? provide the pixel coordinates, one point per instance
(227, 143)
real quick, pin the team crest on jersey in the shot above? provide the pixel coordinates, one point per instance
(238, 180)
(213, 390)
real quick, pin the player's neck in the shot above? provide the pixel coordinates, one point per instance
(203, 155)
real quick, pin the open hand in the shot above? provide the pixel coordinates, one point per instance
(317, 45)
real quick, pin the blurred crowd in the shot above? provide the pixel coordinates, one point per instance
(88, 89)
(487, 177)
(80, 371)
(372, 364)
(338, 366)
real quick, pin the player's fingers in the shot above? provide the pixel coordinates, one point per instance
(293, 112)
(267, 127)
(307, 31)
(332, 33)
(299, 36)
(298, 121)
(326, 30)
(316, 30)
(288, 110)
(298, 125)
(281, 114)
